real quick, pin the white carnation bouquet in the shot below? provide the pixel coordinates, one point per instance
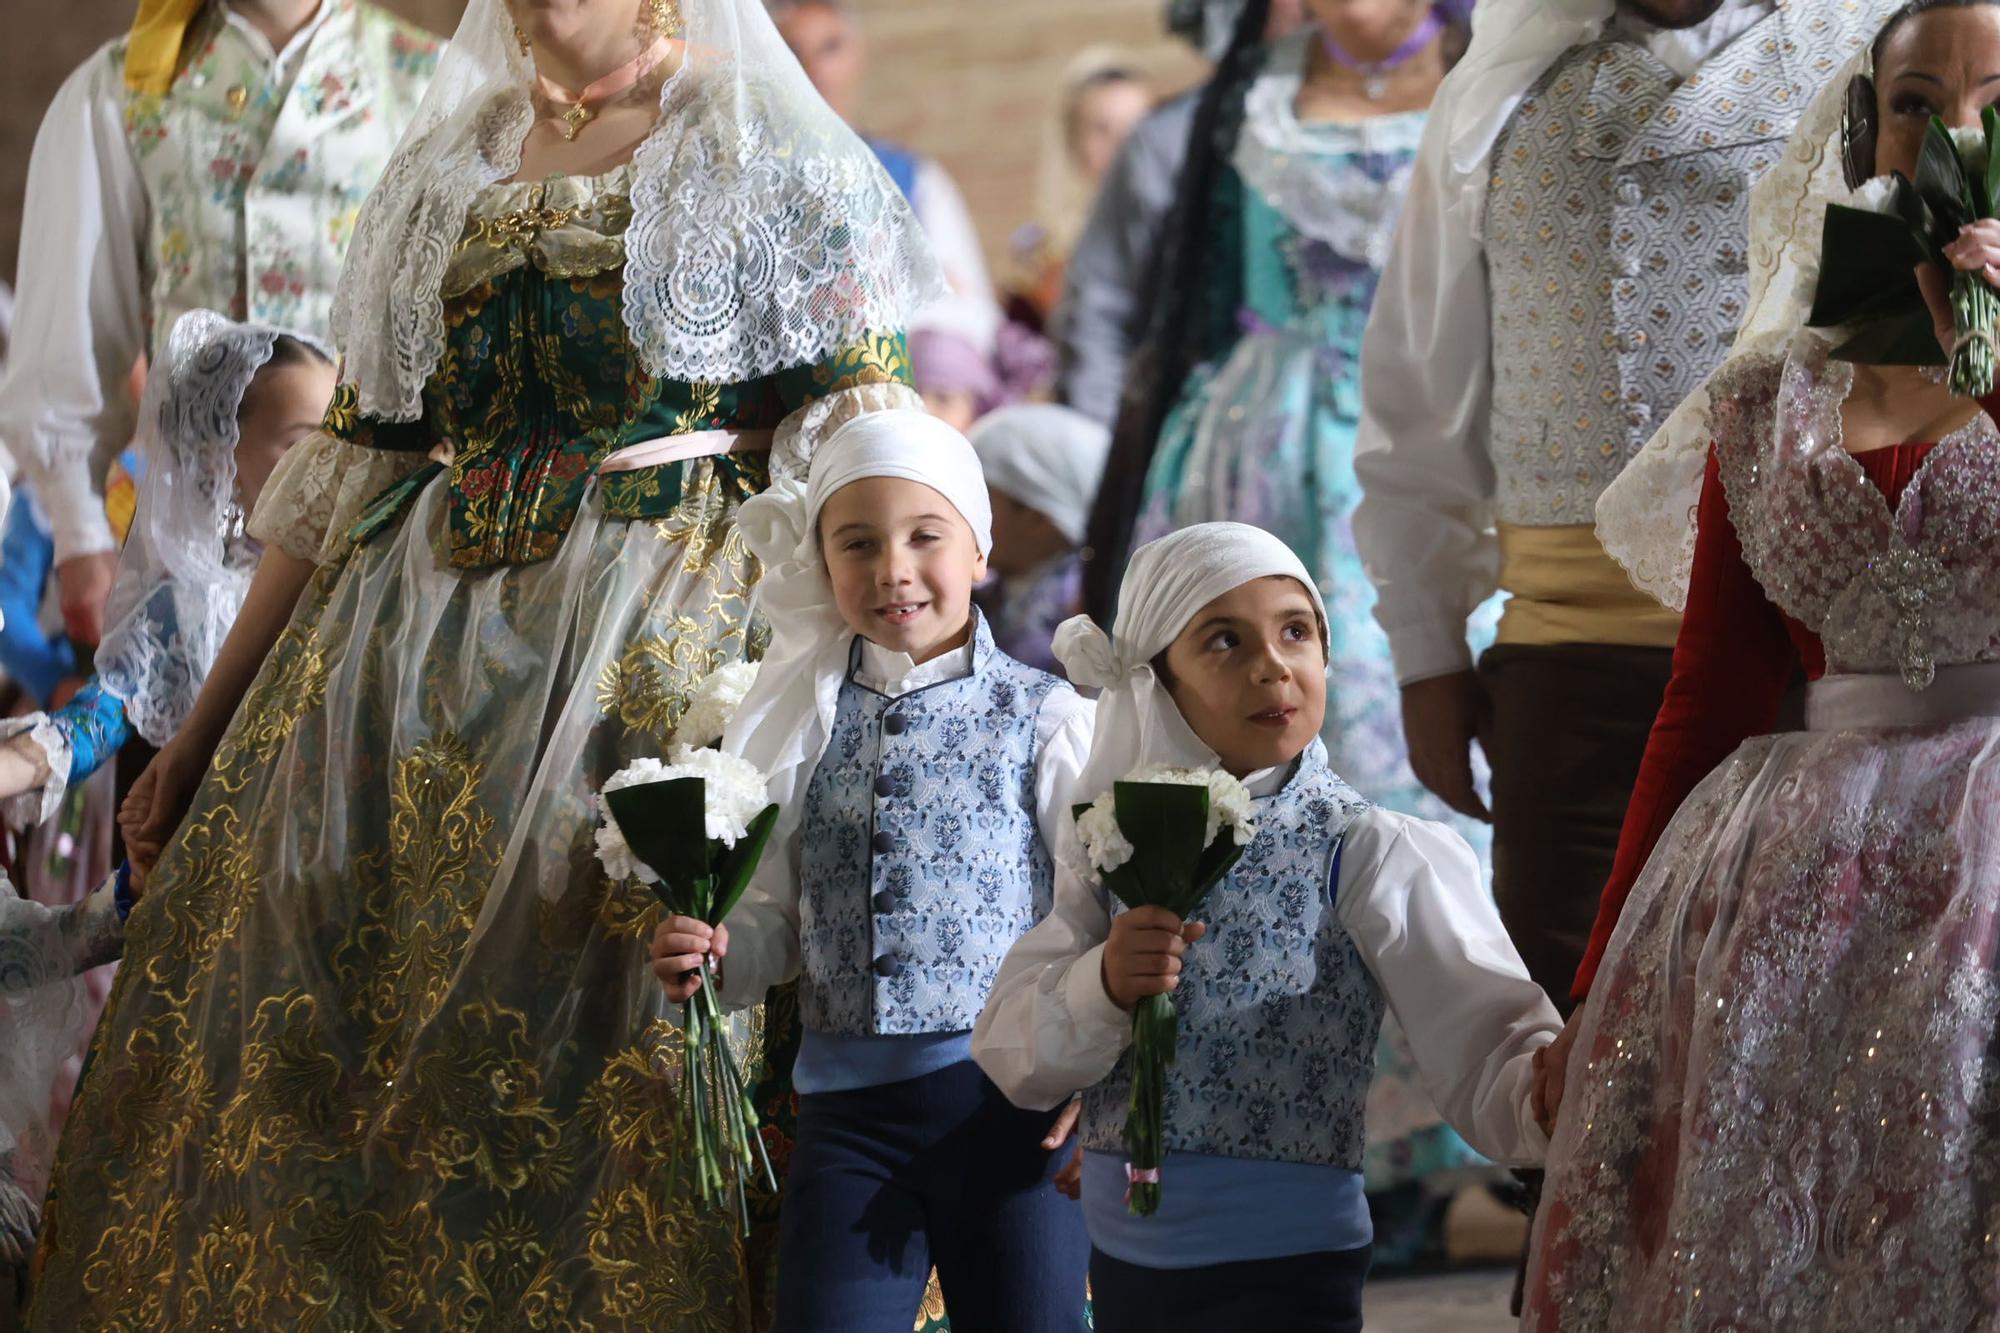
(1161, 837)
(695, 827)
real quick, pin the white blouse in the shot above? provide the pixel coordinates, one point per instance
(1412, 898)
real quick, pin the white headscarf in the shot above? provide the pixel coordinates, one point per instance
(786, 719)
(1166, 584)
(1046, 457)
(764, 233)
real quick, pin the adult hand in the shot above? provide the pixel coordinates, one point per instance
(680, 944)
(1977, 250)
(23, 766)
(85, 582)
(1551, 1069)
(1069, 1180)
(1440, 718)
(1142, 956)
(1059, 1132)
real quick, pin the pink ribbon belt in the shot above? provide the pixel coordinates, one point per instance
(666, 449)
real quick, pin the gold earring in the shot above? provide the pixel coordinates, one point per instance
(521, 40)
(666, 17)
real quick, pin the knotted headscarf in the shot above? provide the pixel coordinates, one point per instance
(1047, 457)
(1166, 585)
(785, 720)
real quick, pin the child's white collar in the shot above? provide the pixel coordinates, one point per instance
(889, 672)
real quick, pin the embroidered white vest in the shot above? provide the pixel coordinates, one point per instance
(254, 186)
(1617, 229)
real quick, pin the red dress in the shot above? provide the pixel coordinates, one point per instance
(1732, 664)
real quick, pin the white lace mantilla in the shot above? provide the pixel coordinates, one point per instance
(1311, 174)
(1903, 590)
(764, 233)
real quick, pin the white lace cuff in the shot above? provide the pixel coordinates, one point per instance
(36, 805)
(800, 433)
(318, 490)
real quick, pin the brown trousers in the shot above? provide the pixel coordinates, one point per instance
(1565, 729)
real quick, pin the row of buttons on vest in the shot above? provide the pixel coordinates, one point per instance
(885, 843)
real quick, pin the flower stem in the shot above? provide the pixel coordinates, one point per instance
(1975, 310)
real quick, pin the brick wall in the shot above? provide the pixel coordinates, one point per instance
(967, 81)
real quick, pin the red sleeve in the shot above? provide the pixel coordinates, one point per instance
(1732, 662)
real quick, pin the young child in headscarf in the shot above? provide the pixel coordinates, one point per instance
(1043, 463)
(1337, 909)
(221, 408)
(923, 776)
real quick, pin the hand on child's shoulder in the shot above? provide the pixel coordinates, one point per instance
(1142, 955)
(679, 946)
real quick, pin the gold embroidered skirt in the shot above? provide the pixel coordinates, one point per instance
(385, 1051)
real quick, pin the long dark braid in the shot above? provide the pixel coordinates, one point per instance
(1176, 313)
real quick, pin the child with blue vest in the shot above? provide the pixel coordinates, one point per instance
(924, 776)
(1336, 910)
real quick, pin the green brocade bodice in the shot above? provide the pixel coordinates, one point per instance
(539, 383)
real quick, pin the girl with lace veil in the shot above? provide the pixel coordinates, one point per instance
(1778, 1110)
(385, 1050)
(224, 405)
(1247, 398)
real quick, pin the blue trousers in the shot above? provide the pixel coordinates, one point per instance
(887, 1181)
(1301, 1293)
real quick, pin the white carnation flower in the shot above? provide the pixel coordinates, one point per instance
(1875, 196)
(734, 792)
(1970, 141)
(1228, 803)
(1097, 829)
(714, 702)
(612, 850)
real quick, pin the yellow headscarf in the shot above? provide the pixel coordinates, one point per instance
(153, 50)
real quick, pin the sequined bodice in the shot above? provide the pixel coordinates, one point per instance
(1904, 588)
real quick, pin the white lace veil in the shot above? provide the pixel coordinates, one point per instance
(186, 565)
(1646, 518)
(764, 233)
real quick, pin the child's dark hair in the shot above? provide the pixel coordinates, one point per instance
(289, 351)
(285, 351)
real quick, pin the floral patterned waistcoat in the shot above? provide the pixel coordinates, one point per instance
(922, 856)
(254, 185)
(1278, 1014)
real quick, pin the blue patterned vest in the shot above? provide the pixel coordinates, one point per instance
(1278, 1013)
(921, 856)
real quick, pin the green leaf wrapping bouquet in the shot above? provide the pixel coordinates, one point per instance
(1870, 249)
(695, 828)
(1161, 837)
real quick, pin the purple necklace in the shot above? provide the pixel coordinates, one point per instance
(1375, 74)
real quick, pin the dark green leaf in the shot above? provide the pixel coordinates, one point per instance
(1905, 338)
(1867, 267)
(1165, 822)
(735, 866)
(1941, 181)
(1989, 120)
(666, 826)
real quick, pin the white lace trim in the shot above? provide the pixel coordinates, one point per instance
(38, 805)
(764, 233)
(1309, 173)
(800, 433)
(318, 490)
